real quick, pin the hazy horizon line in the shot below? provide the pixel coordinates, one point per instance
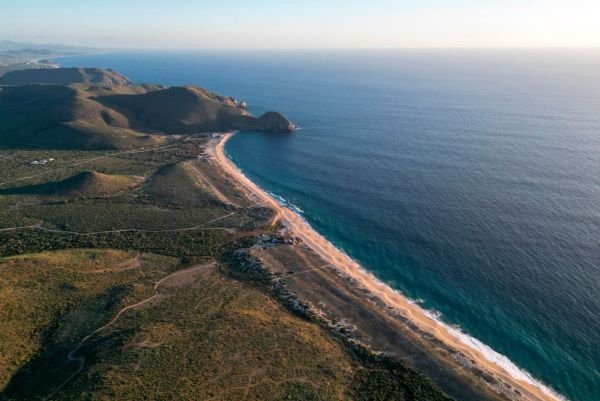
(105, 49)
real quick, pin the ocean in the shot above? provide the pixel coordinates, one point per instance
(469, 180)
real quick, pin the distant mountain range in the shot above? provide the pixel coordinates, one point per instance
(11, 46)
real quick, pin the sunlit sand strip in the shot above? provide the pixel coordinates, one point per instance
(496, 364)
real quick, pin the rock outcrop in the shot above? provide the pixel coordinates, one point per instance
(273, 121)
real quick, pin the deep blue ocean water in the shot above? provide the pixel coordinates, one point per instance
(469, 180)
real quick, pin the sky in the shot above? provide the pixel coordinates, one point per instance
(303, 23)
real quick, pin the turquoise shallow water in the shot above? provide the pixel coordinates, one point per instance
(469, 180)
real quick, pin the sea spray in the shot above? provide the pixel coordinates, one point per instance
(284, 202)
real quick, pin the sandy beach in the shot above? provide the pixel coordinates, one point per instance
(485, 359)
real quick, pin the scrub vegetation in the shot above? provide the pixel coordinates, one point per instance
(124, 274)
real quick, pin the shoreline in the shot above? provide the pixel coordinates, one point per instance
(490, 361)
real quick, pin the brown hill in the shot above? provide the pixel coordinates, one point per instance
(174, 184)
(88, 184)
(64, 76)
(100, 116)
(272, 121)
(65, 117)
(190, 110)
(177, 110)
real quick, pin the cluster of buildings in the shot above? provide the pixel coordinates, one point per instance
(266, 241)
(41, 162)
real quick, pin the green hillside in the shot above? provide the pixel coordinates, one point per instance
(88, 184)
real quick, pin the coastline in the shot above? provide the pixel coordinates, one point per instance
(484, 357)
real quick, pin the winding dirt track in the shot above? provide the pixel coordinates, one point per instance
(125, 230)
(72, 356)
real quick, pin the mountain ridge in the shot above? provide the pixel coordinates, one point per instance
(64, 76)
(102, 109)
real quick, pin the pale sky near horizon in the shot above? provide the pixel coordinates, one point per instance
(303, 24)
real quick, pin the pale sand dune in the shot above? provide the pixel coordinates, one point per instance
(297, 226)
